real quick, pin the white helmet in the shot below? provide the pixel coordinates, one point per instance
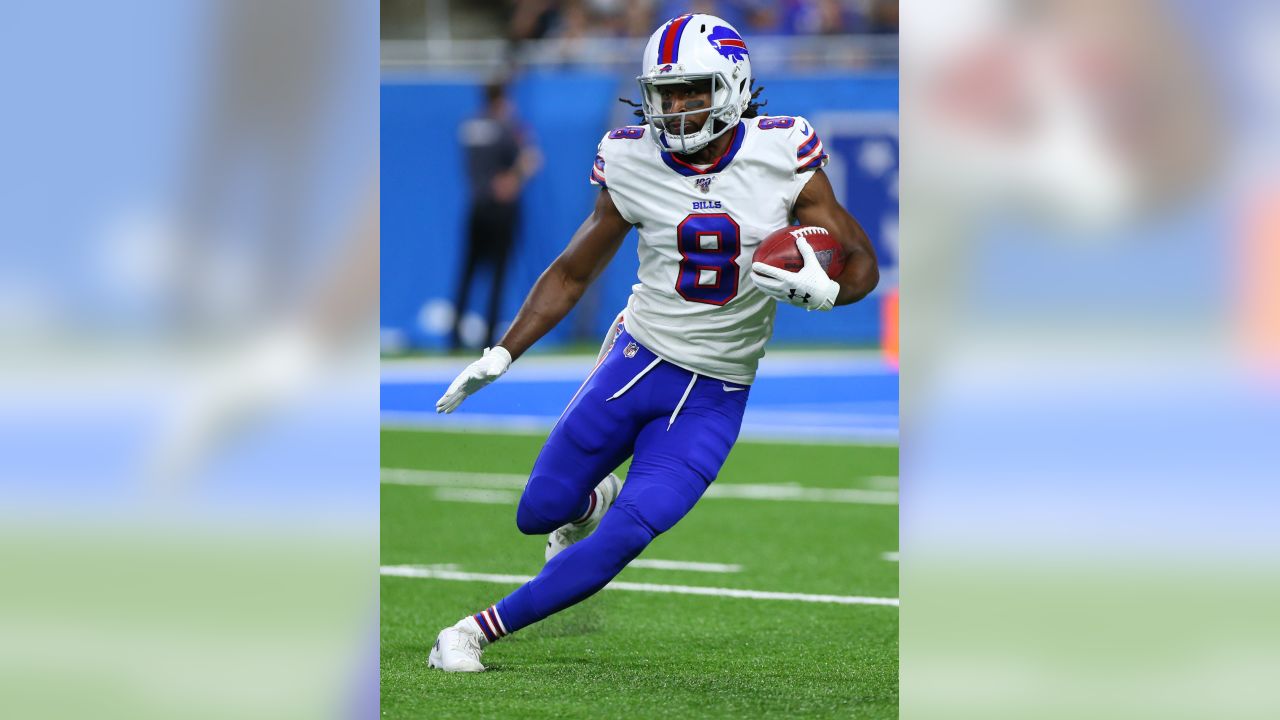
(688, 49)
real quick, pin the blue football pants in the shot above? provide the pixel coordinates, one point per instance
(679, 427)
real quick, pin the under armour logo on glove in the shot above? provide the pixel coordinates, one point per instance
(810, 288)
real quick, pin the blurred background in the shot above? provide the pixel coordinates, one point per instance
(1090, 357)
(565, 66)
(188, 414)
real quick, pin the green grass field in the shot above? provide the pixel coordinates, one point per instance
(647, 654)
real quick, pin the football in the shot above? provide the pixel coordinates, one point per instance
(779, 249)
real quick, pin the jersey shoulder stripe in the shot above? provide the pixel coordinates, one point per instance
(810, 154)
(597, 172)
(793, 141)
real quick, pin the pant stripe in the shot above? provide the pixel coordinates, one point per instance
(636, 379)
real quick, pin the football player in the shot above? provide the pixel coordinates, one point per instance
(704, 180)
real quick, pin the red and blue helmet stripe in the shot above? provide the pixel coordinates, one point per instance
(669, 45)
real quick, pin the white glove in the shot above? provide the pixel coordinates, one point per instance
(488, 368)
(810, 288)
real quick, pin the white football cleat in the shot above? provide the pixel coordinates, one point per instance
(568, 534)
(458, 648)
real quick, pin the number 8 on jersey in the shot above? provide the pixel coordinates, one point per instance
(709, 247)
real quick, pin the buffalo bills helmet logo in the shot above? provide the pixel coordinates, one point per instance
(665, 68)
(728, 43)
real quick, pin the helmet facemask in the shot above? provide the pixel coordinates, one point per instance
(670, 130)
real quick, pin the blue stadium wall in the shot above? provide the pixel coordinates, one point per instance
(423, 192)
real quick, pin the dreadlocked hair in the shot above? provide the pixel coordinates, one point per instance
(753, 107)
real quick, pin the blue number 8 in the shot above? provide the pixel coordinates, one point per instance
(709, 246)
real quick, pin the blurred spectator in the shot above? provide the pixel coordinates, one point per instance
(609, 17)
(532, 19)
(639, 19)
(817, 17)
(733, 11)
(882, 17)
(761, 18)
(570, 19)
(499, 161)
(574, 22)
(578, 19)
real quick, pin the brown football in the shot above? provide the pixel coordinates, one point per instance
(779, 249)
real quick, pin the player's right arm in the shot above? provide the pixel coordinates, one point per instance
(552, 297)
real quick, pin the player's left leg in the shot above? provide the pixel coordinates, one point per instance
(674, 463)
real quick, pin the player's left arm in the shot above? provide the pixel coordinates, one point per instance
(817, 205)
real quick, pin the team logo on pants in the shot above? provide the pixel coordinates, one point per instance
(630, 350)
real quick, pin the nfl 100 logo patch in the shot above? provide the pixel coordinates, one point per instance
(704, 183)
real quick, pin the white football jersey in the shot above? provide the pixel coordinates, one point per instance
(695, 305)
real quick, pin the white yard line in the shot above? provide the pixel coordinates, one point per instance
(512, 481)
(889, 556)
(484, 497)
(436, 573)
(802, 494)
(452, 478)
(882, 482)
(682, 565)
